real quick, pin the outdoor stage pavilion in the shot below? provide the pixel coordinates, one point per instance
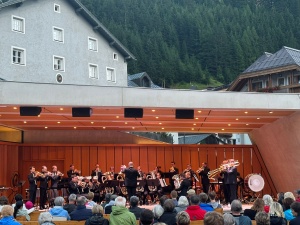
(55, 137)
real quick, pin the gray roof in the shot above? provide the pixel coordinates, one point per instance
(97, 25)
(138, 76)
(284, 57)
(192, 139)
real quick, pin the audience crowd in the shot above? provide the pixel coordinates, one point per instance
(170, 210)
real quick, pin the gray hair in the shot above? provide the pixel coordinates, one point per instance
(203, 197)
(59, 201)
(236, 206)
(183, 218)
(81, 200)
(120, 201)
(183, 201)
(267, 199)
(97, 209)
(72, 198)
(262, 218)
(228, 219)
(45, 217)
(158, 210)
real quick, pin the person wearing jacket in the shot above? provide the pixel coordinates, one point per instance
(203, 205)
(183, 203)
(58, 210)
(7, 216)
(276, 214)
(295, 206)
(19, 211)
(97, 217)
(120, 214)
(169, 215)
(194, 210)
(212, 198)
(287, 208)
(236, 209)
(81, 212)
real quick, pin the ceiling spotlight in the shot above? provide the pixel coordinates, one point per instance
(194, 124)
(229, 124)
(246, 112)
(199, 111)
(237, 119)
(160, 123)
(75, 127)
(61, 109)
(258, 118)
(196, 118)
(270, 112)
(58, 122)
(156, 117)
(133, 128)
(125, 122)
(25, 122)
(92, 122)
(247, 124)
(162, 128)
(46, 127)
(117, 117)
(15, 108)
(223, 129)
(104, 128)
(153, 110)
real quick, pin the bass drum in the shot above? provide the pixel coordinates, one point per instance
(254, 182)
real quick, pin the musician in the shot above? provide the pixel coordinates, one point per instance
(131, 176)
(141, 173)
(32, 178)
(221, 178)
(44, 178)
(230, 179)
(84, 184)
(73, 185)
(158, 170)
(173, 171)
(94, 186)
(97, 172)
(162, 187)
(112, 173)
(185, 184)
(72, 172)
(204, 177)
(55, 178)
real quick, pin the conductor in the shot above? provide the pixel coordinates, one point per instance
(131, 176)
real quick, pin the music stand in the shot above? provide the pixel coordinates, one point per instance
(140, 183)
(153, 182)
(113, 183)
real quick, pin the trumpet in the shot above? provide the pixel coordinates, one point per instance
(60, 174)
(77, 171)
(200, 169)
(38, 174)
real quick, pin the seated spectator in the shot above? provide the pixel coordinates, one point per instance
(276, 214)
(7, 216)
(183, 203)
(174, 196)
(169, 215)
(58, 210)
(289, 195)
(194, 210)
(71, 206)
(106, 200)
(158, 210)
(19, 197)
(228, 219)
(45, 218)
(190, 193)
(203, 205)
(146, 217)
(81, 212)
(108, 207)
(295, 206)
(287, 206)
(262, 218)
(90, 203)
(268, 201)
(3, 201)
(213, 218)
(97, 217)
(120, 215)
(258, 206)
(183, 218)
(29, 206)
(280, 197)
(212, 198)
(298, 195)
(134, 207)
(162, 200)
(236, 209)
(19, 211)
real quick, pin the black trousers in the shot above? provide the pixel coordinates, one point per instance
(32, 196)
(205, 187)
(131, 191)
(231, 188)
(43, 197)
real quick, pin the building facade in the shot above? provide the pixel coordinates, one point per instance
(278, 73)
(58, 41)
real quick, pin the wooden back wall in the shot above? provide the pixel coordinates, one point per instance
(84, 157)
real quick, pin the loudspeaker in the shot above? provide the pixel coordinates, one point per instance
(133, 112)
(82, 112)
(184, 114)
(30, 110)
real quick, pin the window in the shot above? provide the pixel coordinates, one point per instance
(18, 56)
(256, 86)
(18, 24)
(58, 34)
(110, 74)
(289, 81)
(57, 8)
(280, 81)
(115, 56)
(58, 63)
(93, 71)
(93, 44)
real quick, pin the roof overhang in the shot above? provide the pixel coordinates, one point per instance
(215, 112)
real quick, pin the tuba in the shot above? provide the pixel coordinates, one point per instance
(107, 176)
(222, 167)
(121, 177)
(177, 181)
(152, 176)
